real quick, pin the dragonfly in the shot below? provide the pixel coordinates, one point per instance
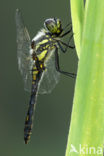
(38, 61)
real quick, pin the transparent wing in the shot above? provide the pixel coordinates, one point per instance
(50, 77)
(23, 47)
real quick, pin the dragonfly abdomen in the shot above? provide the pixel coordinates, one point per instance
(28, 123)
(36, 75)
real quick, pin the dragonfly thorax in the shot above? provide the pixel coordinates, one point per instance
(43, 44)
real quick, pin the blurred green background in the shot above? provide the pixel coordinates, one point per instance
(53, 111)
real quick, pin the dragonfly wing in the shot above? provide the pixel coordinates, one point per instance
(23, 48)
(50, 76)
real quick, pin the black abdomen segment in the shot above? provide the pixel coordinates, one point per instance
(29, 119)
(32, 103)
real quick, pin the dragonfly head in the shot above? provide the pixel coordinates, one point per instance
(53, 25)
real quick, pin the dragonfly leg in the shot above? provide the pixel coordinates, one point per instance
(67, 26)
(58, 67)
(67, 45)
(66, 33)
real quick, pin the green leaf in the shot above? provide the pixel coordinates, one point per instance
(87, 121)
(77, 12)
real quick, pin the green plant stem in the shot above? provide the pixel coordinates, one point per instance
(77, 12)
(87, 121)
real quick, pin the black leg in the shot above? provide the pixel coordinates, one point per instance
(58, 67)
(66, 33)
(60, 46)
(65, 44)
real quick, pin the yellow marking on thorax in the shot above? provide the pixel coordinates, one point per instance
(50, 53)
(50, 39)
(47, 35)
(44, 41)
(42, 55)
(45, 47)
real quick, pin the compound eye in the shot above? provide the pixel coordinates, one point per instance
(51, 25)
